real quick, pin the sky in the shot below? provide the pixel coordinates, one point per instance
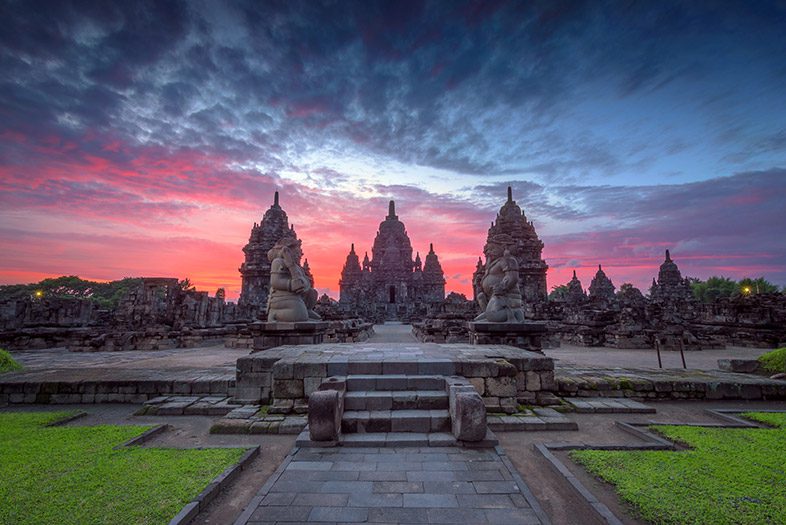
(146, 138)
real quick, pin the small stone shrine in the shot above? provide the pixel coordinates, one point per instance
(526, 249)
(391, 285)
(670, 286)
(601, 288)
(501, 287)
(575, 294)
(255, 270)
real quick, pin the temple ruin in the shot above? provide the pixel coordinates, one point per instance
(255, 270)
(527, 250)
(391, 285)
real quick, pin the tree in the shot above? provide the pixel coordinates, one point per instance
(186, 285)
(714, 288)
(558, 292)
(748, 286)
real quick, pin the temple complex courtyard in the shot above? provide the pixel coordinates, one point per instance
(525, 470)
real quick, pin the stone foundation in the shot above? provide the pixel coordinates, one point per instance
(526, 335)
(273, 334)
(504, 376)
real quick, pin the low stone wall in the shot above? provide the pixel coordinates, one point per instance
(107, 391)
(441, 331)
(341, 331)
(348, 331)
(105, 339)
(666, 384)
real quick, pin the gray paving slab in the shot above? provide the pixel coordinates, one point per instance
(428, 485)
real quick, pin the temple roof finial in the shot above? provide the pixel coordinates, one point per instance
(431, 247)
(574, 274)
(392, 209)
(510, 194)
(352, 249)
(275, 199)
(600, 268)
(668, 255)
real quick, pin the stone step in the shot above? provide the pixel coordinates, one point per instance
(414, 421)
(395, 400)
(398, 439)
(600, 405)
(396, 382)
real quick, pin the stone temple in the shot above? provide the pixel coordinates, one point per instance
(527, 251)
(670, 286)
(391, 285)
(255, 270)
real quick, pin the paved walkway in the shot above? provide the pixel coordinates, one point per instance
(392, 333)
(395, 485)
(634, 358)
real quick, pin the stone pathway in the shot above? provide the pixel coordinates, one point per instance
(395, 485)
(392, 333)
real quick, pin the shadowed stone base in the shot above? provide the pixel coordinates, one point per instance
(271, 334)
(504, 376)
(525, 335)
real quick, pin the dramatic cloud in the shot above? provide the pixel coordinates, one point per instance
(142, 138)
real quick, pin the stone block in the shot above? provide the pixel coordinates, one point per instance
(364, 368)
(324, 415)
(310, 369)
(283, 370)
(231, 426)
(501, 386)
(287, 388)
(311, 384)
(281, 406)
(742, 366)
(479, 383)
(547, 381)
(479, 369)
(533, 381)
(467, 414)
(491, 403)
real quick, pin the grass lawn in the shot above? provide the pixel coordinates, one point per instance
(730, 475)
(775, 361)
(8, 363)
(71, 474)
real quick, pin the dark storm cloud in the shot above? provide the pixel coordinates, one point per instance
(430, 83)
(720, 220)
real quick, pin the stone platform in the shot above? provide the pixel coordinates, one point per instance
(503, 375)
(526, 335)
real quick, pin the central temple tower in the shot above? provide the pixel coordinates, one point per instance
(392, 285)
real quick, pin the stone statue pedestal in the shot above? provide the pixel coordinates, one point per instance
(269, 334)
(525, 335)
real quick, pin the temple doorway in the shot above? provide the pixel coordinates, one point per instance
(392, 293)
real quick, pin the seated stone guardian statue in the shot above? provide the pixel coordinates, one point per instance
(291, 297)
(498, 292)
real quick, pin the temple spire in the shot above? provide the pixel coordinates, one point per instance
(600, 268)
(431, 247)
(668, 255)
(510, 194)
(574, 274)
(392, 210)
(352, 249)
(275, 199)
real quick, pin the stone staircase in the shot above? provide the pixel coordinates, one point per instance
(390, 410)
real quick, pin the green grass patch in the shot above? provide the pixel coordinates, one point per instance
(72, 475)
(775, 361)
(729, 476)
(8, 363)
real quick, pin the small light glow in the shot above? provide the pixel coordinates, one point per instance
(746, 289)
(39, 293)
